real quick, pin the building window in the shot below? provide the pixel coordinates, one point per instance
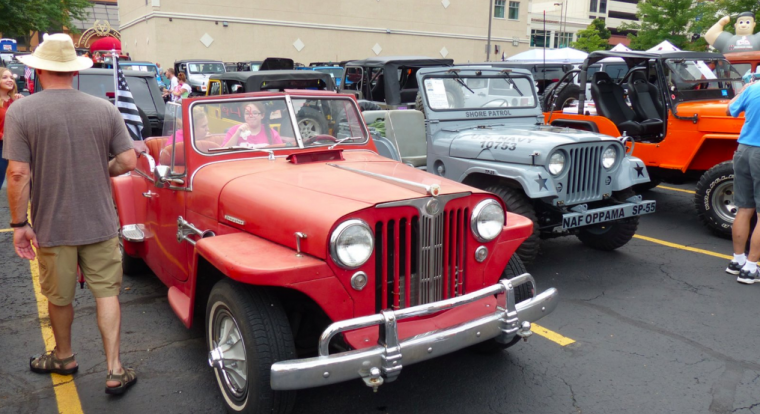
(539, 38)
(498, 9)
(562, 39)
(514, 10)
(592, 9)
(602, 6)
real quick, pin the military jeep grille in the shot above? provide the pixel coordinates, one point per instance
(420, 258)
(585, 175)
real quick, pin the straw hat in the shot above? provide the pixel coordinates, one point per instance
(56, 53)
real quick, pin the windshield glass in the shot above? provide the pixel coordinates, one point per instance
(690, 80)
(205, 68)
(141, 68)
(337, 72)
(473, 92)
(266, 124)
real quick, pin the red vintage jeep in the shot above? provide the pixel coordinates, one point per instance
(315, 259)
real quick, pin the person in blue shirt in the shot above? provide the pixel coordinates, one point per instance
(746, 183)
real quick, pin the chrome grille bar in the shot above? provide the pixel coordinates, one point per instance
(584, 177)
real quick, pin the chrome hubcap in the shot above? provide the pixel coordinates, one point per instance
(228, 353)
(722, 200)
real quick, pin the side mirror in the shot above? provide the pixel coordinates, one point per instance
(161, 175)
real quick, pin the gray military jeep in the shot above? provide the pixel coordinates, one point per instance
(484, 127)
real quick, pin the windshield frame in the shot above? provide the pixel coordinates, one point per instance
(292, 115)
(192, 72)
(486, 75)
(678, 96)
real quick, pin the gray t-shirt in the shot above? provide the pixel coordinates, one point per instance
(728, 43)
(66, 136)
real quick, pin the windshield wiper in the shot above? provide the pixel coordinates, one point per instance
(342, 140)
(472, 127)
(242, 148)
(459, 80)
(509, 78)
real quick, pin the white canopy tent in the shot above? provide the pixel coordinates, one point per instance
(664, 46)
(564, 55)
(620, 48)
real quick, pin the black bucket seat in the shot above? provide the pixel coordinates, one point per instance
(610, 103)
(644, 96)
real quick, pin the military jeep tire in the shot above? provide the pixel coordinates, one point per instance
(613, 234)
(250, 328)
(517, 202)
(714, 199)
(515, 267)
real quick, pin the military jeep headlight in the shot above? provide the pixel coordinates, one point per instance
(351, 244)
(487, 220)
(556, 163)
(608, 157)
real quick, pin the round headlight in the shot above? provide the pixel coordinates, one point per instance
(487, 220)
(351, 244)
(608, 157)
(556, 163)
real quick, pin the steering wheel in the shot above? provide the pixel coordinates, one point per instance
(492, 104)
(319, 137)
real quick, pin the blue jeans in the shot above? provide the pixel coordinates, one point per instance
(3, 164)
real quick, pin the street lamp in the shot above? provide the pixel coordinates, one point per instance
(561, 32)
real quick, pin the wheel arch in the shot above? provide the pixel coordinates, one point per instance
(714, 150)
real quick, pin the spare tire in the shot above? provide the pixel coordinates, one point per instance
(566, 93)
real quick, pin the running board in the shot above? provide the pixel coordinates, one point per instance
(181, 305)
(133, 233)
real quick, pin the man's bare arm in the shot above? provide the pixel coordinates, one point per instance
(19, 179)
(122, 163)
(712, 34)
(728, 107)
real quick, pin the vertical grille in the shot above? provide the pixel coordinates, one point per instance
(584, 177)
(420, 258)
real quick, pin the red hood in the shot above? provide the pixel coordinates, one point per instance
(278, 198)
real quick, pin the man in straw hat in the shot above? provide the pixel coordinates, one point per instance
(58, 143)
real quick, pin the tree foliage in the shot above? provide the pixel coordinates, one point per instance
(594, 37)
(23, 17)
(662, 20)
(709, 12)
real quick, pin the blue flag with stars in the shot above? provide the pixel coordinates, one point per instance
(126, 103)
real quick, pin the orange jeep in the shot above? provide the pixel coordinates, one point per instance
(672, 106)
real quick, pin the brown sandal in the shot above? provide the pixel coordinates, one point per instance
(49, 363)
(126, 380)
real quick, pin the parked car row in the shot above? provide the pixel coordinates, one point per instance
(319, 250)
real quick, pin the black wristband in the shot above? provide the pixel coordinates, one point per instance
(19, 225)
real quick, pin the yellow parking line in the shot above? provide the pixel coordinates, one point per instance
(5, 230)
(664, 187)
(552, 336)
(682, 247)
(65, 389)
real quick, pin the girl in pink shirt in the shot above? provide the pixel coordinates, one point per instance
(252, 131)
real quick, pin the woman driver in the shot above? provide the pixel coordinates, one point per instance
(253, 130)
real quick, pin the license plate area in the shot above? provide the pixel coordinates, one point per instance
(605, 214)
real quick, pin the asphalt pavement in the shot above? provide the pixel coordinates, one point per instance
(657, 328)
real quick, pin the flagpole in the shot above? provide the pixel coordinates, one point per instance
(115, 75)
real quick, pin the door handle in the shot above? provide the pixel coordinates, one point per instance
(149, 194)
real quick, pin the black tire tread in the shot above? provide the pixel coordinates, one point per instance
(711, 222)
(518, 203)
(515, 267)
(268, 326)
(311, 113)
(619, 235)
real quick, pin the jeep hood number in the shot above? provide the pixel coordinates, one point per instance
(512, 145)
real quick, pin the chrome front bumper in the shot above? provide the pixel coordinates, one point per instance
(384, 361)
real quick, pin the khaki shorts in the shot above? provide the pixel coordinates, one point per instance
(100, 263)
